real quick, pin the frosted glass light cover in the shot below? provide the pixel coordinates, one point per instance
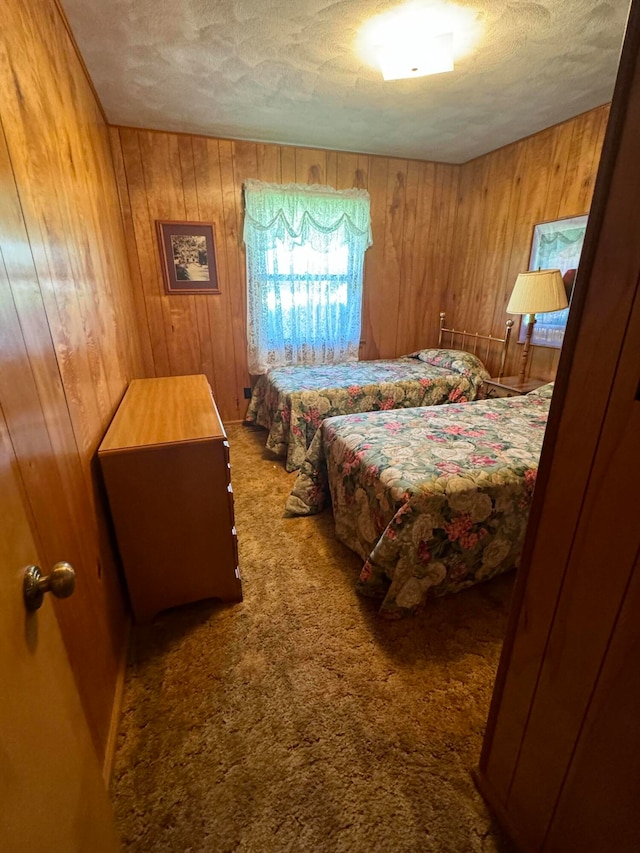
(416, 57)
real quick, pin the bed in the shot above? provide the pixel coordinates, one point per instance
(292, 402)
(434, 500)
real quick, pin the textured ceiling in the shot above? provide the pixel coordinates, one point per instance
(289, 71)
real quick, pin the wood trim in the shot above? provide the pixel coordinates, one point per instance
(497, 808)
(116, 710)
(271, 142)
(519, 141)
(144, 331)
(74, 44)
(530, 136)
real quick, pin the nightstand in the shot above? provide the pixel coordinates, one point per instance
(508, 386)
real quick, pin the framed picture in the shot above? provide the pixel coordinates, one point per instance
(188, 254)
(555, 245)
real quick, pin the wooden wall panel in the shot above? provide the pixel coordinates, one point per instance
(84, 308)
(561, 755)
(163, 175)
(502, 196)
(451, 237)
(607, 754)
(68, 342)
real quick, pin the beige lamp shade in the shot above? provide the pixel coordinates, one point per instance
(536, 292)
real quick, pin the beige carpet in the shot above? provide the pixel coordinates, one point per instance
(299, 720)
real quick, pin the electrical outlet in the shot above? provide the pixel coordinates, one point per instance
(247, 393)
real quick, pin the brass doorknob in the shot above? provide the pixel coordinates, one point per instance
(61, 582)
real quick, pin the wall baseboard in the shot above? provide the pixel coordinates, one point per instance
(110, 749)
(499, 812)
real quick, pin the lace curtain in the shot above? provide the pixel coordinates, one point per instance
(559, 246)
(305, 255)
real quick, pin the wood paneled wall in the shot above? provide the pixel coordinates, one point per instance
(561, 756)
(79, 319)
(68, 344)
(450, 237)
(182, 177)
(502, 196)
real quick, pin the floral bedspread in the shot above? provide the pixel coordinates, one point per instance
(434, 500)
(292, 402)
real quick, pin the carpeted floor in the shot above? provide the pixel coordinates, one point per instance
(299, 720)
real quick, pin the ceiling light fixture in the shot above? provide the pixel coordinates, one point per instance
(419, 38)
(416, 57)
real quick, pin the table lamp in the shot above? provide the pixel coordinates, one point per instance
(535, 293)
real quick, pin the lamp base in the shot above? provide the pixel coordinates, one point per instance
(527, 347)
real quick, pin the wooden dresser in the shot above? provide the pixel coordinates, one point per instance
(165, 460)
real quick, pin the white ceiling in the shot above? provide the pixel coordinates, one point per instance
(288, 71)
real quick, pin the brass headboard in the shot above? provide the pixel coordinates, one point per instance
(476, 337)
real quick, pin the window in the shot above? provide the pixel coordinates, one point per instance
(305, 255)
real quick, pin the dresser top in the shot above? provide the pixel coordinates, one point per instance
(164, 411)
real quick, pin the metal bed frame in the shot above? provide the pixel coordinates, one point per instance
(476, 337)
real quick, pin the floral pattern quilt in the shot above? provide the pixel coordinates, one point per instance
(434, 500)
(292, 402)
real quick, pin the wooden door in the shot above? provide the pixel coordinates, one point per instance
(561, 757)
(52, 797)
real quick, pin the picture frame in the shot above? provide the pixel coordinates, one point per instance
(188, 257)
(555, 245)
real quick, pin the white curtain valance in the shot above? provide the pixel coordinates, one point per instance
(299, 206)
